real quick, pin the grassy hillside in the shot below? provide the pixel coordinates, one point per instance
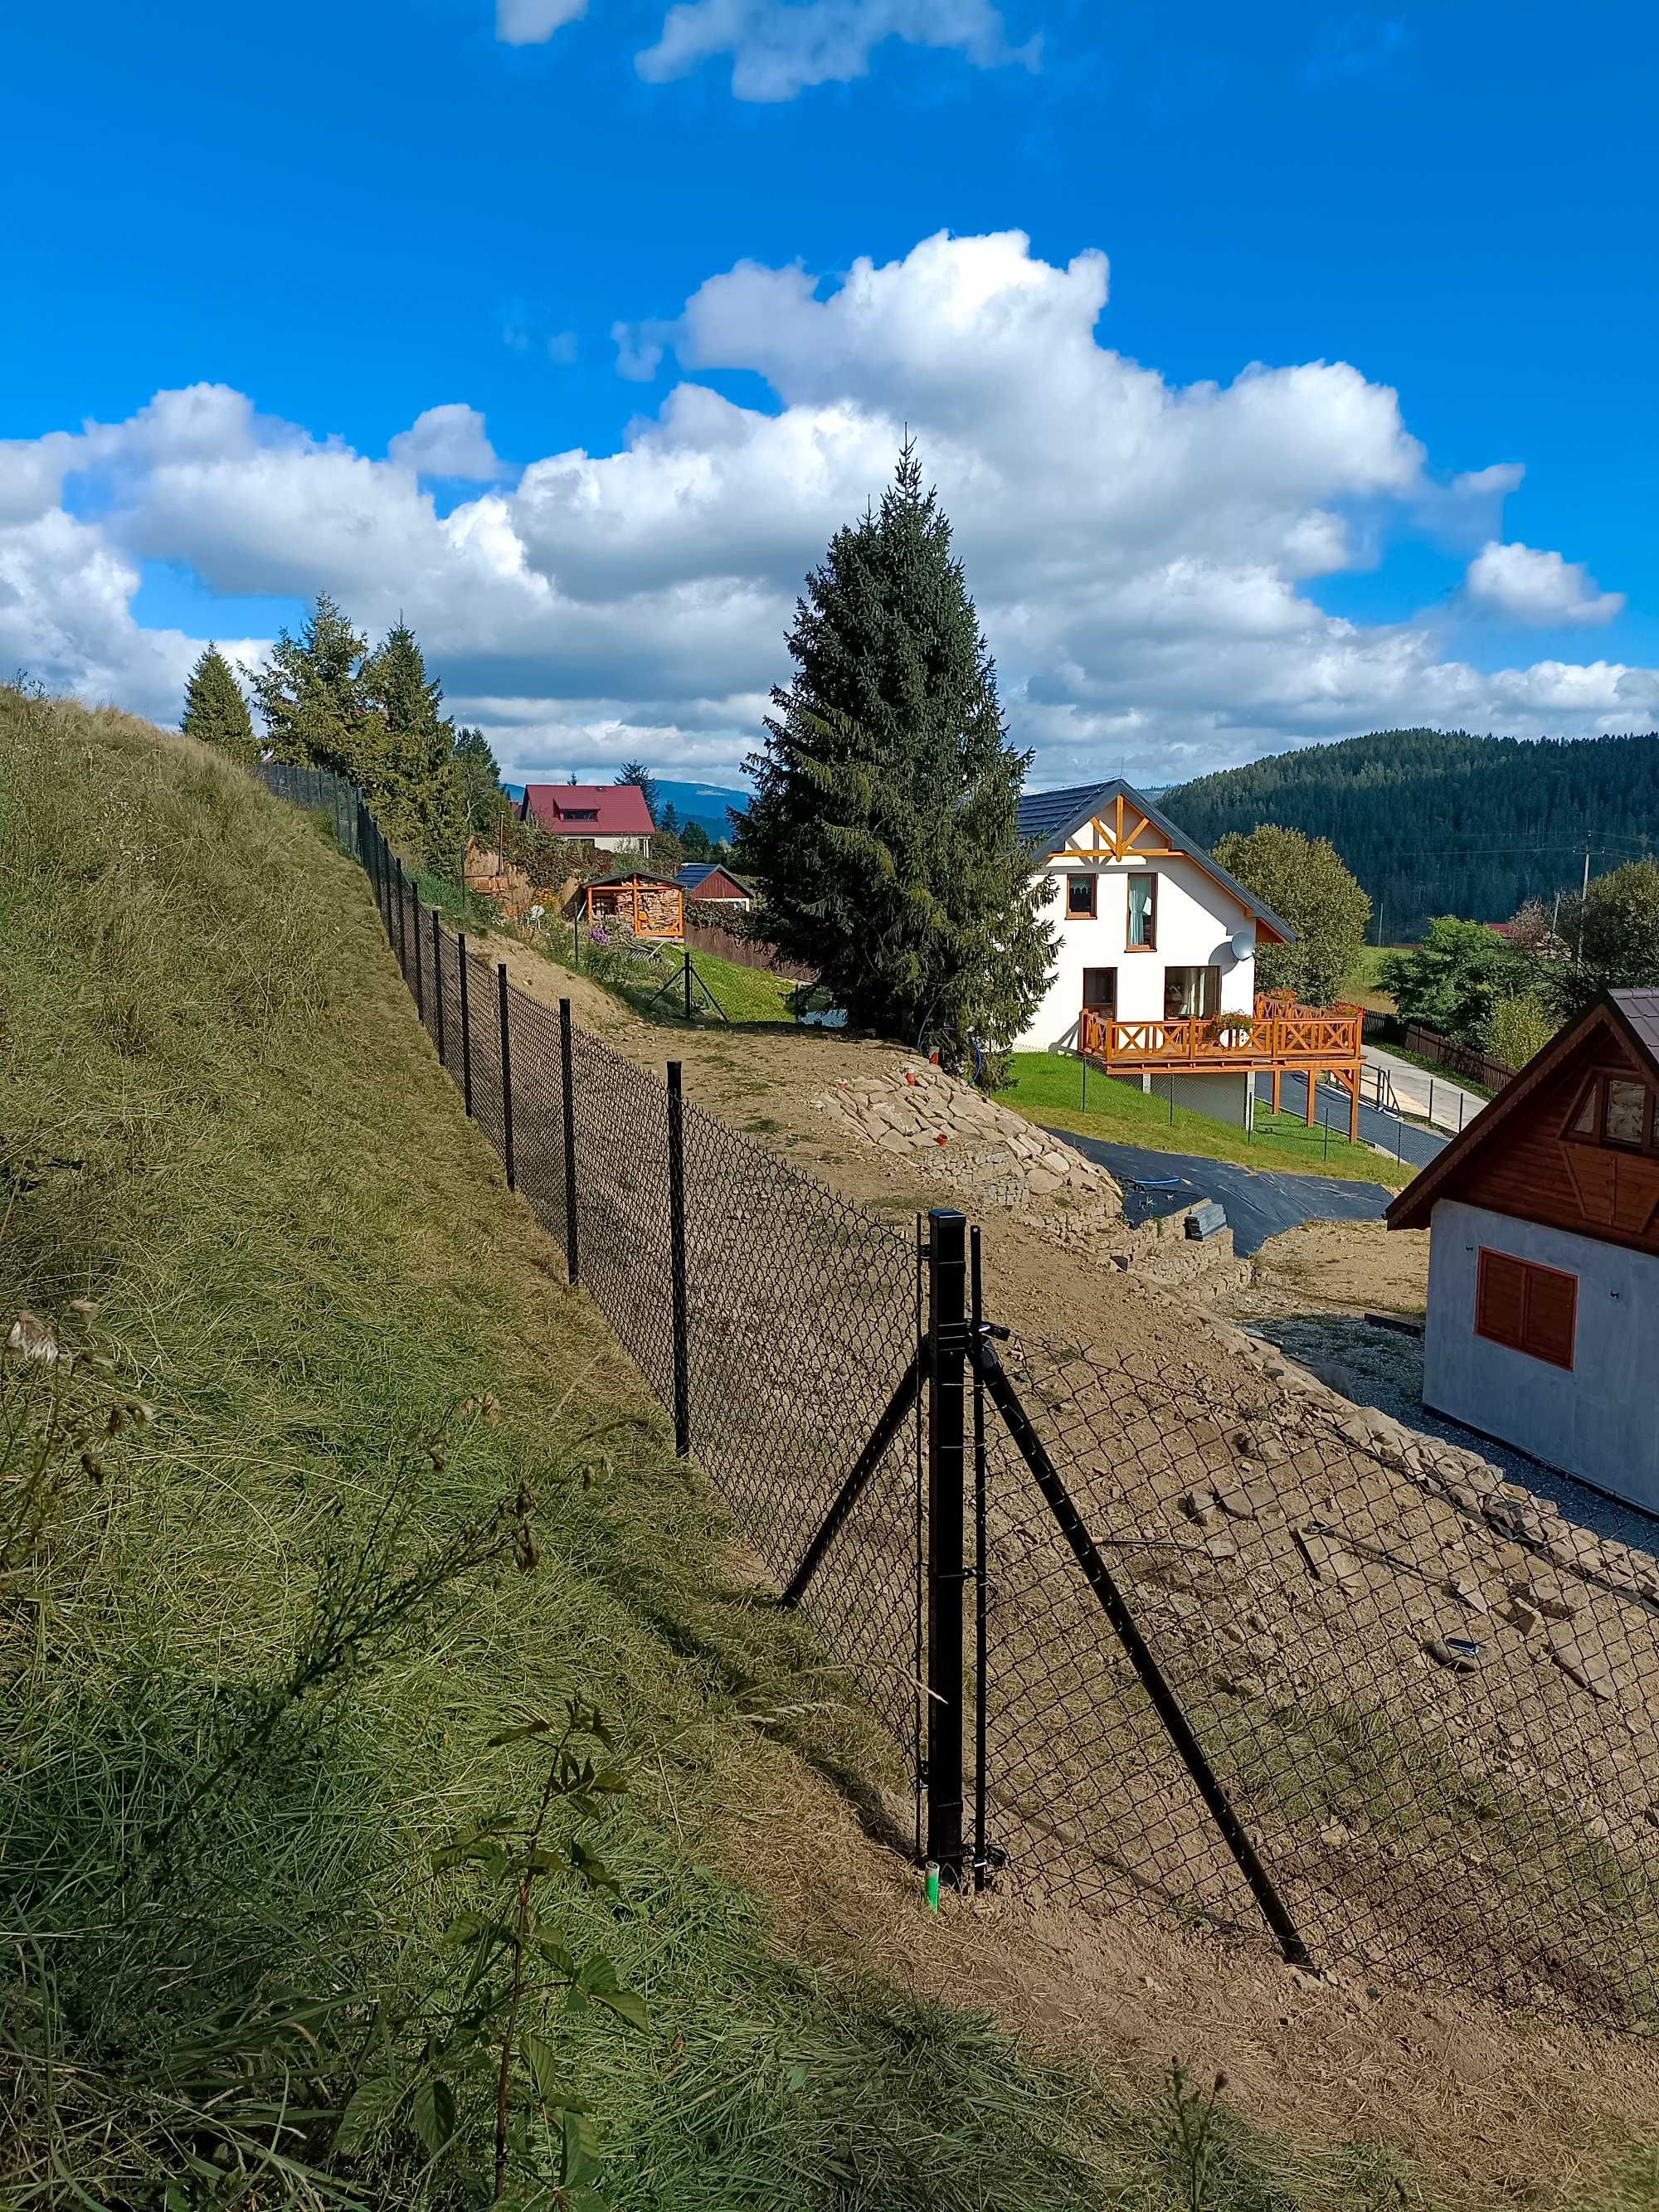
(1439, 822)
(334, 1515)
(340, 1489)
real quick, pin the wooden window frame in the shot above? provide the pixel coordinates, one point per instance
(1594, 1088)
(1146, 875)
(1099, 1005)
(1090, 913)
(1528, 1268)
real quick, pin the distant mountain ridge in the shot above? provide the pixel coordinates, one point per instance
(1440, 822)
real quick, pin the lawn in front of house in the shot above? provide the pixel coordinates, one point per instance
(1049, 1087)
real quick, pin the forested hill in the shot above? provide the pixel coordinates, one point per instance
(1438, 822)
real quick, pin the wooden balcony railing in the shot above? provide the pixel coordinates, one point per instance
(1279, 1033)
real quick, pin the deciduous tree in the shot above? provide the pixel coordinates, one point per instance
(1305, 882)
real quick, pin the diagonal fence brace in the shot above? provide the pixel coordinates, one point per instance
(1163, 1700)
(898, 1409)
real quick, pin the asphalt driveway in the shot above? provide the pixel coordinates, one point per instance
(1258, 1205)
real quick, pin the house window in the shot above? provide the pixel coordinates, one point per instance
(579, 813)
(1191, 992)
(1100, 989)
(1529, 1308)
(1624, 1111)
(1080, 898)
(1143, 911)
(1615, 1109)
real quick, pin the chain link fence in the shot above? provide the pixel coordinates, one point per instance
(1253, 1663)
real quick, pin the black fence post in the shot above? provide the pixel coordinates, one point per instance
(466, 1031)
(507, 1076)
(566, 1083)
(438, 984)
(420, 987)
(677, 1260)
(981, 1597)
(947, 1332)
(402, 944)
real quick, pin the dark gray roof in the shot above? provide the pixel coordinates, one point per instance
(1050, 816)
(1641, 1010)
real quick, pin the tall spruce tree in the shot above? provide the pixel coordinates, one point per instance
(415, 786)
(636, 773)
(214, 709)
(310, 692)
(883, 832)
(481, 778)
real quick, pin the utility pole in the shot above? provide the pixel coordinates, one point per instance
(1583, 896)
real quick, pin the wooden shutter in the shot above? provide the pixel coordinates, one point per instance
(1531, 1309)
(1500, 1299)
(1551, 1313)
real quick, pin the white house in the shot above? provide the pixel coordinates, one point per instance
(1155, 976)
(1543, 1221)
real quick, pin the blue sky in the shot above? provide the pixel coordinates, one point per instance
(349, 216)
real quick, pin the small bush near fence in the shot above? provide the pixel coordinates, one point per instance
(1458, 1059)
(1272, 1667)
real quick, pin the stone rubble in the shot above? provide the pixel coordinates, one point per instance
(987, 1155)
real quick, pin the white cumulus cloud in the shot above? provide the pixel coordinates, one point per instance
(1144, 554)
(1529, 586)
(446, 441)
(533, 22)
(779, 48)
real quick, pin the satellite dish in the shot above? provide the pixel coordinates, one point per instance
(1244, 942)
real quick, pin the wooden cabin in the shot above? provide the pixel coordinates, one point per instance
(648, 906)
(1543, 1221)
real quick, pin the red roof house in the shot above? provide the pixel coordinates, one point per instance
(612, 816)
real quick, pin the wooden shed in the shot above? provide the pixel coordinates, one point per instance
(650, 906)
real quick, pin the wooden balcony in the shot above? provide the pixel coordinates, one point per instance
(1279, 1034)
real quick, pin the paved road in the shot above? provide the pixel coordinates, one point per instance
(1257, 1205)
(1417, 1147)
(1434, 1096)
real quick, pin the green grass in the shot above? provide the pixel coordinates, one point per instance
(747, 996)
(1363, 987)
(1048, 1087)
(258, 1653)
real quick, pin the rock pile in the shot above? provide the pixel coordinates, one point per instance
(986, 1156)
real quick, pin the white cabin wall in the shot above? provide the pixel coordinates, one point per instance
(1196, 919)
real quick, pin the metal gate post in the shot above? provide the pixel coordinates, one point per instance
(507, 1076)
(466, 1031)
(567, 1084)
(677, 1260)
(947, 1331)
(438, 985)
(981, 1731)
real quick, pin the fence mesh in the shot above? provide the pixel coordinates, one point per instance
(1443, 1746)
(1433, 1713)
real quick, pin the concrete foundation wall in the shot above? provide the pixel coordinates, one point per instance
(1600, 1419)
(1230, 1098)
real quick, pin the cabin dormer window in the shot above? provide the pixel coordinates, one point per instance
(1142, 934)
(1080, 898)
(1615, 1110)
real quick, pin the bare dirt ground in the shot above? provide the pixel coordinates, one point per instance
(1494, 2105)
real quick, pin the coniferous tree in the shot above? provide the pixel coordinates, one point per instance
(216, 710)
(416, 788)
(695, 838)
(669, 822)
(884, 833)
(636, 772)
(481, 778)
(310, 693)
